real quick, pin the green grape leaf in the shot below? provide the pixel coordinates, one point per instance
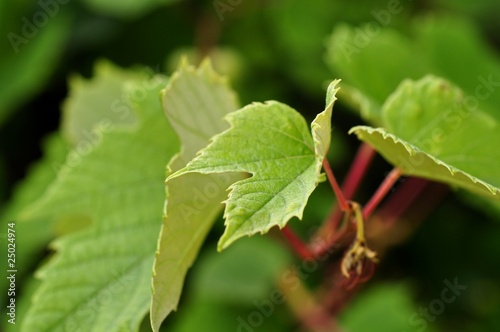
(272, 142)
(195, 102)
(101, 103)
(99, 279)
(432, 132)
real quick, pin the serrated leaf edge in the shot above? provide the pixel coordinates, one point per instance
(413, 150)
(321, 138)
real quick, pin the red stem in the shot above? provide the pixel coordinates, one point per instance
(359, 167)
(357, 171)
(363, 159)
(407, 194)
(296, 243)
(381, 192)
(344, 206)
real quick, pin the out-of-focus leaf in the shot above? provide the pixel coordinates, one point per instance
(371, 65)
(32, 235)
(234, 284)
(456, 50)
(202, 316)
(384, 308)
(101, 103)
(225, 60)
(241, 275)
(430, 132)
(195, 102)
(478, 7)
(303, 44)
(99, 279)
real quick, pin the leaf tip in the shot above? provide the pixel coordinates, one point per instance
(222, 244)
(331, 92)
(176, 174)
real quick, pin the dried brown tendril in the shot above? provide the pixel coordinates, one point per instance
(356, 256)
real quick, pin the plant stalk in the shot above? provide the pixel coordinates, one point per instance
(359, 167)
(299, 246)
(381, 192)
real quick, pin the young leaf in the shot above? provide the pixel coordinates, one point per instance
(99, 279)
(271, 141)
(432, 132)
(195, 102)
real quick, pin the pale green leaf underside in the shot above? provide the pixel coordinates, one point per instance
(413, 161)
(272, 142)
(99, 279)
(432, 133)
(195, 102)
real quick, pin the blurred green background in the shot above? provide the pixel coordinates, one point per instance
(286, 50)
